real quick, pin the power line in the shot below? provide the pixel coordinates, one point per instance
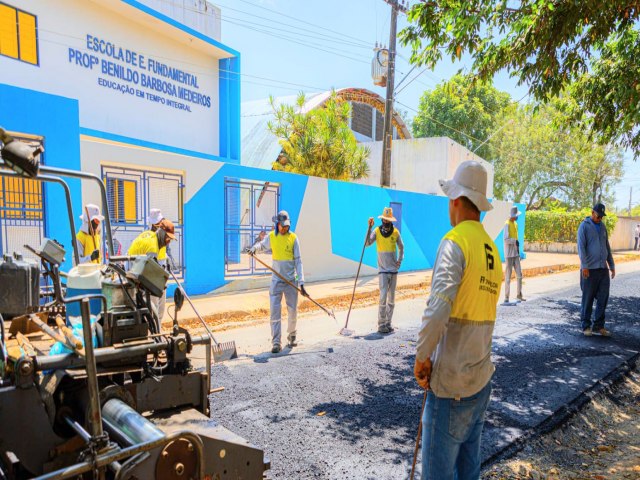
(306, 44)
(301, 21)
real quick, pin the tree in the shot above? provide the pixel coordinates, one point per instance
(543, 163)
(318, 142)
(462, 110)
(549, 45)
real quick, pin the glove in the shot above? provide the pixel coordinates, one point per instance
(95, 255)
(252, 251)
(303, 291)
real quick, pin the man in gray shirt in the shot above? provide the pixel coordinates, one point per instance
(595, 254)
(390, 254)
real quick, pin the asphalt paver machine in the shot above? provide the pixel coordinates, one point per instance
(120, 398)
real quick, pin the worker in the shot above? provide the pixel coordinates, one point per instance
(285, 251)
(512, 254)
(88, 238)
(597, 269)
(390, 254)
(155, 242)
(453, 357)
(155, 218)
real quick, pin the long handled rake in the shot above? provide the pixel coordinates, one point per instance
(345, 331)
(221, 351)
(325, 310)
(417, 447)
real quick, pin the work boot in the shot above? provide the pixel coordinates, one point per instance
(385, 329)
(291, 339)
(587, 332)
(506, 300)
(276, 349)
(521, 298)
(604, 332)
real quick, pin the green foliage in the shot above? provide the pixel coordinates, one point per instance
(558, 226)
(318, 142)
(539, 160)
(463, 110)
(549, 45)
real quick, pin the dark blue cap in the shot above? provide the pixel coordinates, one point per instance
(599, 209)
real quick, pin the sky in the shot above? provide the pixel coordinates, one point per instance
(289, 46)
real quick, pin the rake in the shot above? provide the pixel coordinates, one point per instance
(345, 331)
(325, 310)
(221, 351)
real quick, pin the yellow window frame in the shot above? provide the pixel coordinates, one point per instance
(18, 34)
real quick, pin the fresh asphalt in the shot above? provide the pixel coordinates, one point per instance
(349, 409)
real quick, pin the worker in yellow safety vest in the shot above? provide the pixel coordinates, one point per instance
(388, 240)
(285, 251)
(155, 242)
(453, 357)
(88, 239)
(512, 255)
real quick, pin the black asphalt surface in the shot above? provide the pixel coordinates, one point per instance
(369, 403)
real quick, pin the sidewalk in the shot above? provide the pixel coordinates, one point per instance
(222, 309)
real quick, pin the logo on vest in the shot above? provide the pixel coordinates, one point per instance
(488, 251)
(487, 285)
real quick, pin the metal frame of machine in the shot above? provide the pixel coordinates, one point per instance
(131, 408)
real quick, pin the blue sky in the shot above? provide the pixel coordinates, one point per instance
(288, 46)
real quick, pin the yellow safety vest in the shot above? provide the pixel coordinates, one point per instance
(147, 242)
(389, 243)
(513, 229)
(282, 245)
(482, 277)
(89, 244)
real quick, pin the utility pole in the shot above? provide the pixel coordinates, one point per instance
(385, 173)
(630, 196)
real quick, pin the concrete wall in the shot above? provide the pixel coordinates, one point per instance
(620, 239)
(551, 247)
(418, 164)
(622, 236)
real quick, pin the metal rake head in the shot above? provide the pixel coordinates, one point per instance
(224, 351)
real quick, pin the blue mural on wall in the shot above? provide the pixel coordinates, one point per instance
(425, 220)
(56, 119)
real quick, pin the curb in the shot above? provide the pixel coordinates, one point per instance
(566, 412)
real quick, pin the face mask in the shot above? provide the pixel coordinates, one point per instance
(386, 229)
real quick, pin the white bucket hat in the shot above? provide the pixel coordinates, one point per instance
(155, 216)
(514, 212)
(470, 180)
(93, 211)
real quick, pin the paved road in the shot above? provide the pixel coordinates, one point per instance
(369, 404)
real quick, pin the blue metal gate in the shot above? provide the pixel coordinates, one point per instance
(132, 193)
(249, 209)
(22, 216)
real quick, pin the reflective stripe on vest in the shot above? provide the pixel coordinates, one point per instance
(513, 229)
(89, 244)
(482, 277)
(386, 244)
(282, 245)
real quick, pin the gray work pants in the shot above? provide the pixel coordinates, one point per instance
(159, 303)
(387, 283)
(277, 289)
(512, 262)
